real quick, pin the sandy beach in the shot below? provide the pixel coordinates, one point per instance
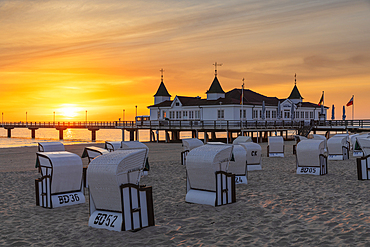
(276, 208)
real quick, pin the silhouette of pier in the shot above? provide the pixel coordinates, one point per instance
(256, 129)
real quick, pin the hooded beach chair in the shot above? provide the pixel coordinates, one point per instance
(117, 201)
(208, 181)
(254, 154)
(112, 146)
(338, 147)
(238, 165)
(189, 144)
(352, 141)
(275, 147)
(297, 139)
(311, 157)
(242, 139)
(357, 151)
(61, 179)
(363, 163)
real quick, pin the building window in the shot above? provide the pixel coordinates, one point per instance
(268, 114)
(244, 113)
(286, 114)
(297, 114)
(185, 114)
(159, 114)
(302, 114)
(260, 114)
(273, 114)
(164, 114)
(311, 114)
(220, 114)
(255, 114)
(177, 104)
(306, 114)
(197, 114)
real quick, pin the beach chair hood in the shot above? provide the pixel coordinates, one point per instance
(107, 172)
(336, 143)
(276, 144)
(191, 143)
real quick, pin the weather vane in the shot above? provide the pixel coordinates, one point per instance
(216, 64)
(161, 74)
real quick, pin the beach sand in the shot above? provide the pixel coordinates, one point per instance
(276, 208)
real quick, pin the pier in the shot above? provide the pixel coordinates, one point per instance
(256, 129)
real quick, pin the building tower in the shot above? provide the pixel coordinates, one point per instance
(162, 93)
(295, 95)
(215, 91)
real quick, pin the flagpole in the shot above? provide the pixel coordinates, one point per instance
(353, 107)
(242, 113)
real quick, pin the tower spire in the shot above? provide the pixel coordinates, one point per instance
(216, 64)
(161, 74)
(295, 79)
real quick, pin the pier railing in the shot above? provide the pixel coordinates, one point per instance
(194, 124)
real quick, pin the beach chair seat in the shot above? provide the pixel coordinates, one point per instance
(189, 144)
(61, 179)
(338, 147)
(363, 163)
(242, 139)
(208, 181)
(129, 145)
(238, 165)
(311, 157)
(112, 146)
(275, 147)
(117, 201)
(254, 155)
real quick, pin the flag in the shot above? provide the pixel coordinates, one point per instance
(350, 102)
(321, 100)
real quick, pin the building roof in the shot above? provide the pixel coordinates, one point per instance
(162, 91)
(215, 87)
(295, 93)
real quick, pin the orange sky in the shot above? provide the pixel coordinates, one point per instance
(70, 57)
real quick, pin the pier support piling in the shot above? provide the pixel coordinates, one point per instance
(123, 135)
(61, 129)
(93, 133)
(9, 130)
(33, 132)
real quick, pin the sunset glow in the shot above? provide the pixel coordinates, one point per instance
(70, 57)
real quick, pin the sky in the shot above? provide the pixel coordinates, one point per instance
(68, 60)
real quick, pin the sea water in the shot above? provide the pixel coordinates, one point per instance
(21, 137)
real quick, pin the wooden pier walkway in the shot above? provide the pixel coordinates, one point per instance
(174, 127)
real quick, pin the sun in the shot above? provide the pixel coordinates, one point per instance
(69, 111)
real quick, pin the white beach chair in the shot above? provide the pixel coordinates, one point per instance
(338, 147)
(363, 163)
(208, 181)
(61, 179)
(254, 155)
(189, 144)
(311, 157)
(112, 146)
(129, 145)
(117, 201)
(275, 147)
(238, 165)
(297, 139)
(241, 139)
(50, 146)
(357, 151)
